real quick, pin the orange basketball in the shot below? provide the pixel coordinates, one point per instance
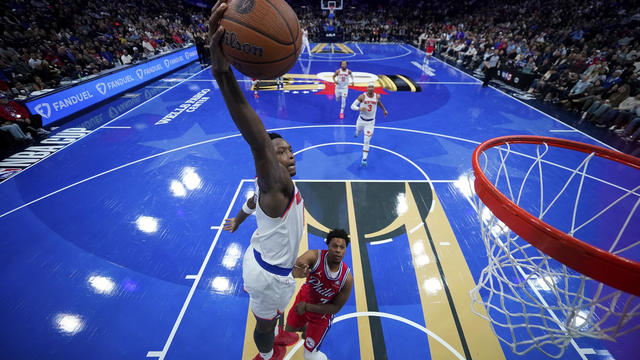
(263, 38)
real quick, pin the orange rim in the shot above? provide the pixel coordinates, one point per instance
(598, 264)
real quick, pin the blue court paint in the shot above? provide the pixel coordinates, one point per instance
(96, 262)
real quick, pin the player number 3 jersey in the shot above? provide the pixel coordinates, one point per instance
(371, 105)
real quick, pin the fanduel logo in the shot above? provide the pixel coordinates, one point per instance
(231, 39)
(44, 110)
(102, 88)
(139, 74)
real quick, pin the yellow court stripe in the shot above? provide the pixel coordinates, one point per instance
(318, 47)
(409, 82)
(481, 340)
(437, 313)
(345, 48)
(364, 330)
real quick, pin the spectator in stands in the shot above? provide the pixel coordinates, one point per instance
(14, 112)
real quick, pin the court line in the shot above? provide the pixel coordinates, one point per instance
(373, 146)
(381, 242)
(291, 128)
(359, 60)
(568, 130)
(415, 228)
(161, 354)
(102, 126)
(116, 127)
(387, 316)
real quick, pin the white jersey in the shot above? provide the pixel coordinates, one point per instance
(371, 105)
(305, 36)
(278, 239)
(342, 79)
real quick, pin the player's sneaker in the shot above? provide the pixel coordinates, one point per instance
(286, 338)
(278, 353)
(364, 162)
(255, 94)
(341, 115)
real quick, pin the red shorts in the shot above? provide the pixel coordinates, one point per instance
(429, 51)
(317, 324)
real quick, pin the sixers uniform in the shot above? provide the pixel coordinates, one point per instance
(268, 261)
(320, 288)
(431, 45)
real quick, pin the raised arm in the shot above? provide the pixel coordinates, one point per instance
(271, 174)
(304, 263)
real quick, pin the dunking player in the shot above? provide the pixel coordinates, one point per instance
(327, 289)
(269, 259)
(367, 104)
(341, 79)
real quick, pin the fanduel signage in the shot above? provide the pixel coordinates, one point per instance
(66, 102)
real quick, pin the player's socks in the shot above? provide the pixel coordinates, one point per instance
(267, 356)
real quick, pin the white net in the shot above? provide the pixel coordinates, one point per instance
(533, 301)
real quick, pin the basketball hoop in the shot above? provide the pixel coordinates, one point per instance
(545, 284)
(331, 10)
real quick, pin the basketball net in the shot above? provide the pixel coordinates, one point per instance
(532, 300)
(331, 9)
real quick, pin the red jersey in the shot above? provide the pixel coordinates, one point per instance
(321, 287)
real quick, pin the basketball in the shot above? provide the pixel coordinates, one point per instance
(262, 38)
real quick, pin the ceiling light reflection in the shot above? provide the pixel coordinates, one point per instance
(191, 179)
(432, 286)
(231, 256)
(147, 224)
(69, 324)
(220, 284)
(102, 285)
(401, 204)
(177, 189)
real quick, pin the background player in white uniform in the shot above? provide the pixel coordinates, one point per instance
(305, 41)
(341, 79)
(268, 261)
(367, 104)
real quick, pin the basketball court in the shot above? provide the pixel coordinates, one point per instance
(113, 246)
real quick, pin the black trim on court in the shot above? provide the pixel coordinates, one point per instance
(423, 208)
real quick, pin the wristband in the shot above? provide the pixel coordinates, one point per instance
(247, 210)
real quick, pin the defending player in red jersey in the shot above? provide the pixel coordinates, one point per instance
(327, 289)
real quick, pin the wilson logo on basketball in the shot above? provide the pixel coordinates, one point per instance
(231, 39)
(245, 6)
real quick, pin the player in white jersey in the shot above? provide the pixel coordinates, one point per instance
(367, 104)
(305, 41)
(341, 79)
(278, 205)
